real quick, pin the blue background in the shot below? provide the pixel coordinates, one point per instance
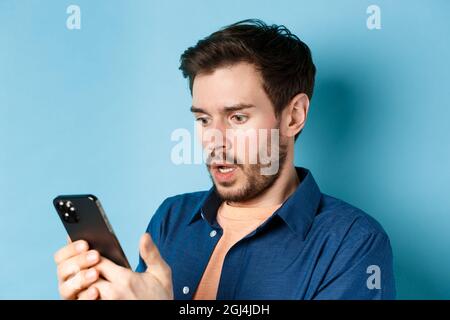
(92, 110)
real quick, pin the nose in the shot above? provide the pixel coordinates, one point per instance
(215, 139)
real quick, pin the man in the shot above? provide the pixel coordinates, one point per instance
(252, 235)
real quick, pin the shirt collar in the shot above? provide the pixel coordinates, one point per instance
(297, 211)
(208, 207)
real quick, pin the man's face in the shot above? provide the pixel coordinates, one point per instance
(231, 102)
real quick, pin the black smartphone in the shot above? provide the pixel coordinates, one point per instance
(84, 219)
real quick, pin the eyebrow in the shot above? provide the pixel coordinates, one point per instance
(226, 109)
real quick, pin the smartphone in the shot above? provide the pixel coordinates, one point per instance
(84, 219)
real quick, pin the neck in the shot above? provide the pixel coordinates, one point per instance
(282, 188)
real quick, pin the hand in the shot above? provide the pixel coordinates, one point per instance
(117, 282)
(75, 268)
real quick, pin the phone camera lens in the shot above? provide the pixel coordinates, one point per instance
(66, 216)
(71, 216)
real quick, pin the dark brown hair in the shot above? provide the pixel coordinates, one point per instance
(283, 60)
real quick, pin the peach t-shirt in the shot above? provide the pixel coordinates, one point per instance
(236, 222)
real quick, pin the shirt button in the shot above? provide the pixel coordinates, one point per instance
(185, 290)
(213, 233)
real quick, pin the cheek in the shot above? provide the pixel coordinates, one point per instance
(269, 121)
(254, 137)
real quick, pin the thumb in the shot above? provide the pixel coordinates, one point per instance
(149, 252)
(152, 258)
(146, 248)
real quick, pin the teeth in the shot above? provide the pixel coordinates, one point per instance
(225, 170)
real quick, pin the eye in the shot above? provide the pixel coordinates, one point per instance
(239, 118)
(203, 121)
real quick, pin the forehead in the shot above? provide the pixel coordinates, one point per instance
(229, 85)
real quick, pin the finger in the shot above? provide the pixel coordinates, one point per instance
(69, 289)
(70, 250)
(105, 290)
(155, 263)
(89, 294)
(77, 263)
(111, 271)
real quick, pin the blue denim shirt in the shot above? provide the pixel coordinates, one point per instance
(313, 247)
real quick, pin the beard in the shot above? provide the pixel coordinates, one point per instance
(251, 182)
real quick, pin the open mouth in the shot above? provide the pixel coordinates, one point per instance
(223, 169)
(223, 172)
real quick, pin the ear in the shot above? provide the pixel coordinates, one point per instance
(294, 115)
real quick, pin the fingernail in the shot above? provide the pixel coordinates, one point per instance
(92, 256)
(81, 247)
(91, 274)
